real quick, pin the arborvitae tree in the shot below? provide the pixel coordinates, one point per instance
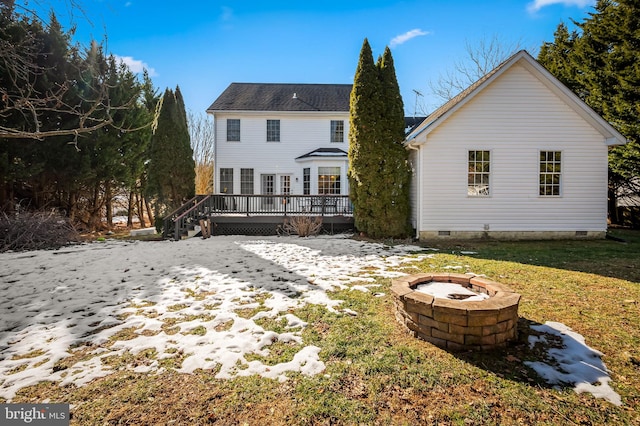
(364, 109)
(171, 170)
(378, 169)
(392, 216)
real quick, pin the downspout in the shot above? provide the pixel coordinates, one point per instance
(418, 200)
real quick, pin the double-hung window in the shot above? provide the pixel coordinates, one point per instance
(478, 175)
(273, 130)
(306, 181)
(233, 130)
(226, 181)
(550, 173)
(329, 180)
(246, 181)
(337, 130)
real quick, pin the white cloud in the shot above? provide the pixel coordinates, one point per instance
(136, 66)
(536, 5)
(227, 13)
(403, 38)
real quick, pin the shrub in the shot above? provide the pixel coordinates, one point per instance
(34, 231)
(302, 226)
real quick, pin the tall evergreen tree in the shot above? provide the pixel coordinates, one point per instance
(363, 110)
(378, 169)
(599, 63)
(392, 217)
(171, 170)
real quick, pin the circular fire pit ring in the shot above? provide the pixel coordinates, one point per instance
(457, 322)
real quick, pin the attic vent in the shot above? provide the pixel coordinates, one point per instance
(444, 233)
(295, 95)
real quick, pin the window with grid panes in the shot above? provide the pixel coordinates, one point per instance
(306, 181)
(273, 130)
(329, 180)
(550, 173)
(233, 130)
(478, 175)
(337, 131)
(285, 184)
(226, 181)
(246, 181)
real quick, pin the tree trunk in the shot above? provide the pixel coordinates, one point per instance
(73, 201)
(140, 209)
(108, 202)
(130, 209)
(4, 204)
(94, 210)
(614, 217)
(148, 206)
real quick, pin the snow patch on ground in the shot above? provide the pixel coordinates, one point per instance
(66, 315)
(449, 291)
(575, 363)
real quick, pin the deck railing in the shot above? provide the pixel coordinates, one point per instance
(176, 224)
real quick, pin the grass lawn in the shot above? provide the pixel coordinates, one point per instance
(377, 374)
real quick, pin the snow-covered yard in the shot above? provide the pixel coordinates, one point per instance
(66, 313)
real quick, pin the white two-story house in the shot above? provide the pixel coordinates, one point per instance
(516, 155)
(281, 139)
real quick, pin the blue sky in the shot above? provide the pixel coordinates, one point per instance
(203, 46)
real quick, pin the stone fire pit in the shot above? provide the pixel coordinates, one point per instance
(451, 321)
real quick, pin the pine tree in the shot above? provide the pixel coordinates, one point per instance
(171, 170)
(599, 63)
(557, 56)
(378, 168)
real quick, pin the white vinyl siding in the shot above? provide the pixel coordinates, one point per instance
(300, 133)
(516, 117)
(414, 200)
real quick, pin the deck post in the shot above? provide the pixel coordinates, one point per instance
(176, 229)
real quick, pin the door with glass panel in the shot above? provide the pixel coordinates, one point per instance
(285, 190)
(267, 187)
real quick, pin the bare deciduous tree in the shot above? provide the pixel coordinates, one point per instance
(201, 132)
(480, 59)
(79, 96)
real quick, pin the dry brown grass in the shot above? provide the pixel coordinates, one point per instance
(377, 374)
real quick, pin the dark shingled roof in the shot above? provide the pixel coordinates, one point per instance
(324, 152)
(283, 97)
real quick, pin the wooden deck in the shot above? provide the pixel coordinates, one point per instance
(257, 214)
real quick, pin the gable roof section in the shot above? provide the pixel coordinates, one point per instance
(283, 97)
(613, 137)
